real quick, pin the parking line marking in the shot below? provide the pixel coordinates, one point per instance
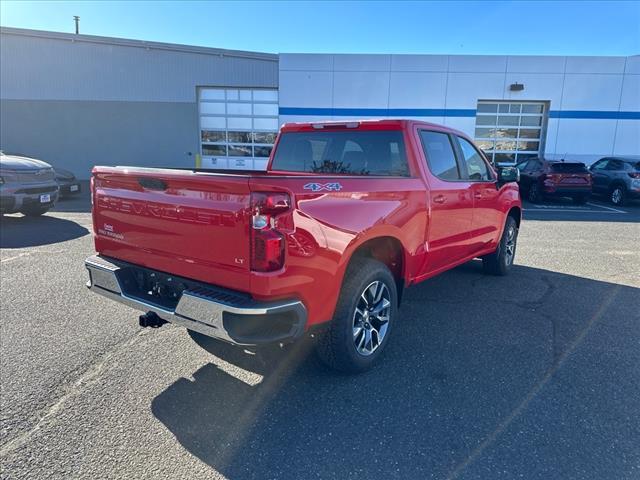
(14, 258)
(608, 208)
(566, 210)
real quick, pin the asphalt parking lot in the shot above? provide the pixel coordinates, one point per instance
(535, 375)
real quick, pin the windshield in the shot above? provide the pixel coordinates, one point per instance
(348, 152)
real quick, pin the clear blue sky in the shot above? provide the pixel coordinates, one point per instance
(551, 28)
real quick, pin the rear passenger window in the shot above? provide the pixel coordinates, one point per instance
(440, 157)
(615, 165)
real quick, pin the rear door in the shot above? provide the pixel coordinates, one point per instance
(486, 219)
(450, 200)
(189, 224)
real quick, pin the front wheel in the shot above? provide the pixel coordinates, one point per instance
(363, 320)
(501, 261)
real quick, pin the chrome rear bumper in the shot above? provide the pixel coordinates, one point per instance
(210, 310)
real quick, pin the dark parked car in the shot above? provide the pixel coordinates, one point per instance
(27, 185)
(67, 181)
(617, 177)
(540, 179)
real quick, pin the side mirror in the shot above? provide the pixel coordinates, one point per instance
(508, 174)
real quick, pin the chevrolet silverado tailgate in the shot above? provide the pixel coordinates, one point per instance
(191, 224)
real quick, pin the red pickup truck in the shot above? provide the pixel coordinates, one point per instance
(324, 242)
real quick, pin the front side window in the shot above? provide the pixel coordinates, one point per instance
(348, 152)
(477, 169)
(440, 155)
(600, 164)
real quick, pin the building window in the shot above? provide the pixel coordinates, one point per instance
(238, 127)
(509, 132)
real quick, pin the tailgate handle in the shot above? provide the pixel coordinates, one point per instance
(152, 183)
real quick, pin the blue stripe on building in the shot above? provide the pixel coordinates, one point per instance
(446, 112)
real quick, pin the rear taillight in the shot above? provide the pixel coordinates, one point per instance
(553, 177)
(267, 243)
(634, 175)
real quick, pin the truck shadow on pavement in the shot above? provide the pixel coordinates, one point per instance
(20, 232)
(529, 375)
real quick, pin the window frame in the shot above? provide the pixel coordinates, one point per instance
(455, 155)
(463, 161)
(230, 97)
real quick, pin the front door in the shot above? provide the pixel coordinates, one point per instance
(599, 176)
(486, 219)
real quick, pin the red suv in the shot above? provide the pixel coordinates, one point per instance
(541, 179)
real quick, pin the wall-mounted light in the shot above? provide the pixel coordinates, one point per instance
(516, 87)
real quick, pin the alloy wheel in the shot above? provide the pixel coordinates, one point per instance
(510, 245)
(371, 318)
(616, 196)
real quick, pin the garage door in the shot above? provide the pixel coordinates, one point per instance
(238, 127)
(510, 132)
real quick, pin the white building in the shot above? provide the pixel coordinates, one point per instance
(580, 108)
(80, 100)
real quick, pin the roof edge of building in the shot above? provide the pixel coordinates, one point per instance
(137, 43)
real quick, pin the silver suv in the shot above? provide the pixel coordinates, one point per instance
(617, 177)
(26, 185)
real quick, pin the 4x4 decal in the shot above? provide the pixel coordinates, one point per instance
(319, 187)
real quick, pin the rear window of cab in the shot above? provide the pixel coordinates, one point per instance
(347, 152)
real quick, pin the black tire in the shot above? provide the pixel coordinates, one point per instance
(580, 199)
(501, 261)
(618, 195)
(534, 195)
(34, 211)
(336, 347)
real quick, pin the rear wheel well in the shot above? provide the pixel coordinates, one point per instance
(387, 250)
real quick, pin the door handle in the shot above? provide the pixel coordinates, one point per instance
(477, 195)
(439, 199)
